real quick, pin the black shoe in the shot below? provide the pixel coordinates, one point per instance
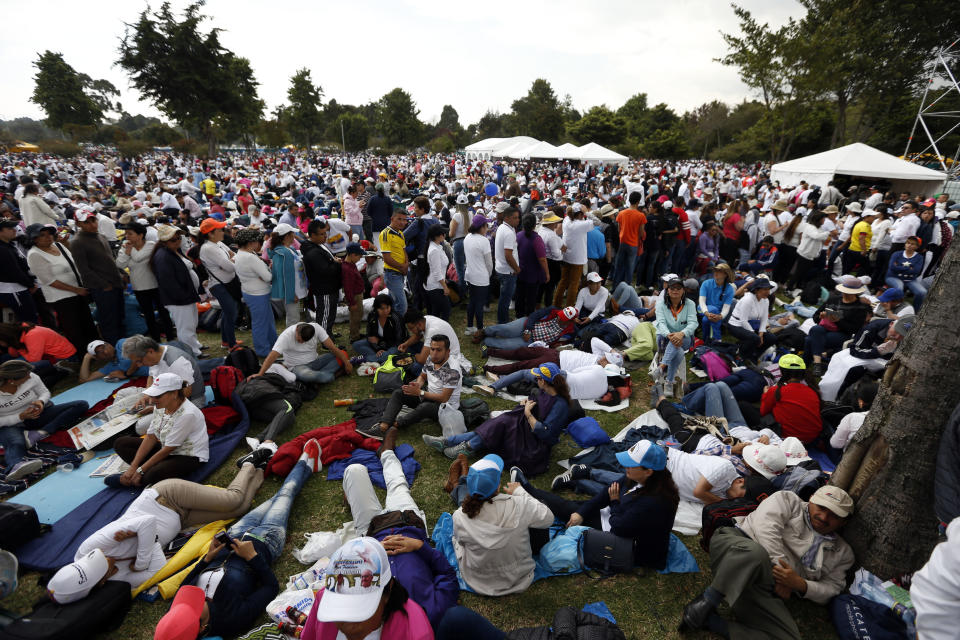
(258, 458)
(695, 614)
(373, 431)
(817, 370)
(568, 478)
(113, 481)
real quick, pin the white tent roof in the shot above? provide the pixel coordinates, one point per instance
(592, 152)
(484, 145)
(855, 159)
(510, 147)
(567, 150)
(542, 150)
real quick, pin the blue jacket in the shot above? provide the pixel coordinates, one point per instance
(282, 264)
(867, 340)
(425, 574)
(416, 236)
(686, 320)
(173, 276)
(906, 269)
(646, 519)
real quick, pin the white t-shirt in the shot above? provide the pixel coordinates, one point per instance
(586, 383)
(571, 359)
(437, 261)
(479, 259)
(552, 242)
(296, 353)
(596, 302)
(847, 428)
(688, 468)
(506, 238)
(339, 235)
(185, 429)
(935, 590)
(575, 238)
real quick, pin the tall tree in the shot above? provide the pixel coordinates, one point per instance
(634, 112)
(539, 114)
(187, 73)
(706, 123)
(68, 97)
(397, 119)
(449, 118)
(306, 118)
(353, 131)
(889, 467)
(600, 125)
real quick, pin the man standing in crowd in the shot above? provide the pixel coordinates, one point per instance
(395, 263)
(100, 274)
(505, 261)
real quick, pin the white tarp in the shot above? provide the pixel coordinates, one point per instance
(592, 152)
(861, 160)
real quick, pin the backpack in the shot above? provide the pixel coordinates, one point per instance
(858, 618)
(224, 380)
(695, 427)
(716, 364)
(810, 295)
(103, 610)
(722, 514)
(245, 359)
(19, 523)
(475, 411)
(388, 377)
(521, 388)
(210, 319)
(668, 222)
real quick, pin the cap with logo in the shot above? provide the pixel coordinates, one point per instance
(74, 581)
(644, 454)
(766, 459)
(164, 383)
(354, 581)
(835, 499)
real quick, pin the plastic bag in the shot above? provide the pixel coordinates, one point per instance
(302, 599)
(559, 556)
(306, 579)
(451, 420)
(319, 545)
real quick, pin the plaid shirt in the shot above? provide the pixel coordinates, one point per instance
(726, 452)
(547, 331)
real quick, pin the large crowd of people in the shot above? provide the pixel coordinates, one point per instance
(109, 267)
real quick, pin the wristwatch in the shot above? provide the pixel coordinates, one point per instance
(140, 470)
(422, 392)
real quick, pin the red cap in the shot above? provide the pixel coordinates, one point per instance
(182, 622)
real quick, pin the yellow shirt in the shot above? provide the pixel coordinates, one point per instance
(861, 227)
(209, 186)
(393, 242)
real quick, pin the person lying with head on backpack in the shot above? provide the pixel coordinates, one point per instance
(297, 345)
(133, 544)
(439, 382)
(640, 503)
(786, 547)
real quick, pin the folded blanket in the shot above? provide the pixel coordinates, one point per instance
(371, 461)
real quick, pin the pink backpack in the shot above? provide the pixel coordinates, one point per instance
(717, 367)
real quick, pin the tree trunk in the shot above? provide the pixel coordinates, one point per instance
(840, 128)
(889, 467)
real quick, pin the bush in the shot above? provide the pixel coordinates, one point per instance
(190, 147)
(59, 147)
(131, 148)
(442, 144)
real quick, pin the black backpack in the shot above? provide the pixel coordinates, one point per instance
(103, 610)
(810, 295)
(722, 514)
(668, 222)
(18, 524)
(245, 359)
(475, 411)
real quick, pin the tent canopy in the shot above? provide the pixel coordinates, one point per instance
(862, 160)
(567, 150)
(592, 152)
(525, 147)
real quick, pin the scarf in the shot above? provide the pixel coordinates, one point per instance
(809, 558)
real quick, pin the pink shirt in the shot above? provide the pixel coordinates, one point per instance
(351, 211)
(409, 624)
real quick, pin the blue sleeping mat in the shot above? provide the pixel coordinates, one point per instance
(92, 392)
(60, 493)
(56, 547)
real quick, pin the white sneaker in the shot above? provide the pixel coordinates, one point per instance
(24, 468)
(469, 331)
(492, 376)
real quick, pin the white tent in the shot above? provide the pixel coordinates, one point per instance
(567, 150)
(859, 160)
(513, 147)
(542, 150)
(482, 148)
(592, 152)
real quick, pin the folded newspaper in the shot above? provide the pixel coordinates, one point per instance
(106, 423)
(112, 465)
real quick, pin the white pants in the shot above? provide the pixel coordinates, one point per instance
(840, 364)
(364, 504)
(184, 318)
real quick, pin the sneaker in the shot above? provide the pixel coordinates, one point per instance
(457, 449)
(567, 479)
(485, 389)
(373, 431)
(8, 574)
(469, 331)
(311, 453)
(113, 481)
(433, 442)
(493, 377)
(817, 369)
(516, 475)
(26, 467)
(258, 457)
(356, 361)
(34, 436)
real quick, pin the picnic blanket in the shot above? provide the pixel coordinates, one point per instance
(371, 461)
(60, 493)
(57, 547)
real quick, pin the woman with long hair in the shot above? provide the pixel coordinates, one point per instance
(675, 325)
(524, 435)
(224, 284)
(479, 265)
(283, 261)
(787, 249)
(642, 501)
(385, 331)
(255, 280)
(534, 272)
(178, 284)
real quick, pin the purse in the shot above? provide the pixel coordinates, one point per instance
(605, 553)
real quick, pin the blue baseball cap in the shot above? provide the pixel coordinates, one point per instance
(483, 478)
(644, 454)
(548, 371)
(890, 295)
(354, 247)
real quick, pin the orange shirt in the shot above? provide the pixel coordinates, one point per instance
(631, 222)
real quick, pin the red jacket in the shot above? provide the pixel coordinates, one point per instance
(336, 443)
(797, 411)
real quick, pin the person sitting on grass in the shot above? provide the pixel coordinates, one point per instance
(385, 333)
(547, 325)
(640, 503)
(491, 530)
(438, 382)
(676, 324)
(297, 345)
(524, 435)
(117, 367)
(785, 547)
(27, 416)
(401, 527)
(226, 592)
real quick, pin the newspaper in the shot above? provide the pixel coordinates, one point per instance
(112, 465)
(104, 424)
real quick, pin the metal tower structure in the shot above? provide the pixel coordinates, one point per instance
(937, 124)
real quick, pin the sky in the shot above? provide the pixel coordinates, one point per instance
(440, 51)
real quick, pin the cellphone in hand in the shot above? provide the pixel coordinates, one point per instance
(223, 538)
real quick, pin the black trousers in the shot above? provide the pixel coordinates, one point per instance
(156, 315)
(277, 413)
(326, 310)
(75, 321)
(170, 467)
(422, 409)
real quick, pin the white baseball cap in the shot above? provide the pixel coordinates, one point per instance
(569, 313)
(92, 347)
(593, 276)
(794, 451)
(164, 383)
(767, 460)
(283, 229)
(354, 581)
(74, 581)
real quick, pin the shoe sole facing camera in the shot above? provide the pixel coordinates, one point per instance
(24, 469)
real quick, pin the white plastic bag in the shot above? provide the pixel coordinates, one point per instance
(319, 545)
(302, 599)
(451, 420)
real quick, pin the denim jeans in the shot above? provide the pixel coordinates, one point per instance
(460, 264)
(508, 285)
(647, 268)
(109, 313)
(357, 229)
(53, 418)
(268, 522)
(470, 437)
(673, 357)
(598, 481)
(915, 287)
(505, 335)
(712, 330)
(395, 282)
(820, 340)
(228, 316)
(508, 379)
(262, 326)
(475, 304)
(715, 399)
(320, 371)
(438, 304)
(369, 351)
(624, 264)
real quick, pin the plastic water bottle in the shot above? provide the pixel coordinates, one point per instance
(66, 467)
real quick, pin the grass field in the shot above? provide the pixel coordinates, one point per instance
(647, 606)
